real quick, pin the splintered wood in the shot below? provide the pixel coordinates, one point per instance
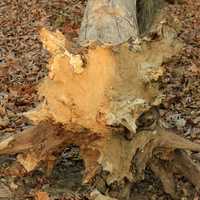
(114, 88)
(91, 105)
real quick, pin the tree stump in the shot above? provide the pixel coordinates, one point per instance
(95, 102)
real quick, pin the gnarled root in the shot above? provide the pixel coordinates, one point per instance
(120, 158)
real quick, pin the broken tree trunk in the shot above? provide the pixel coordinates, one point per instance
(109, 22)
(113, 22)
(95, 99)
(111, 89)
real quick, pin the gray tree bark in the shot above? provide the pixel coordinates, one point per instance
(113, 22)
(109, 22)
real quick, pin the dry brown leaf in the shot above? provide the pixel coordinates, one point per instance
(194, 69)
(41, 196)
(96, 195)
(5, 192)
(29, 161)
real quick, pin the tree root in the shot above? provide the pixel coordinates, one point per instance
(121, 158)
(166, 176)
(186, 166)
(179, 162)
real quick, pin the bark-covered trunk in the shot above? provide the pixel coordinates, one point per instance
(115, 22)
(146, 12)
(100, 100)
(109, 22)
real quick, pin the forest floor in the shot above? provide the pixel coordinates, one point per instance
(23, 63)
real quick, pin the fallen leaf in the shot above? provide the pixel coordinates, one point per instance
(28, 161)
(194, 69)
(41, 196)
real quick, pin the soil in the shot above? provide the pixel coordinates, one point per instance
(23, 65)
